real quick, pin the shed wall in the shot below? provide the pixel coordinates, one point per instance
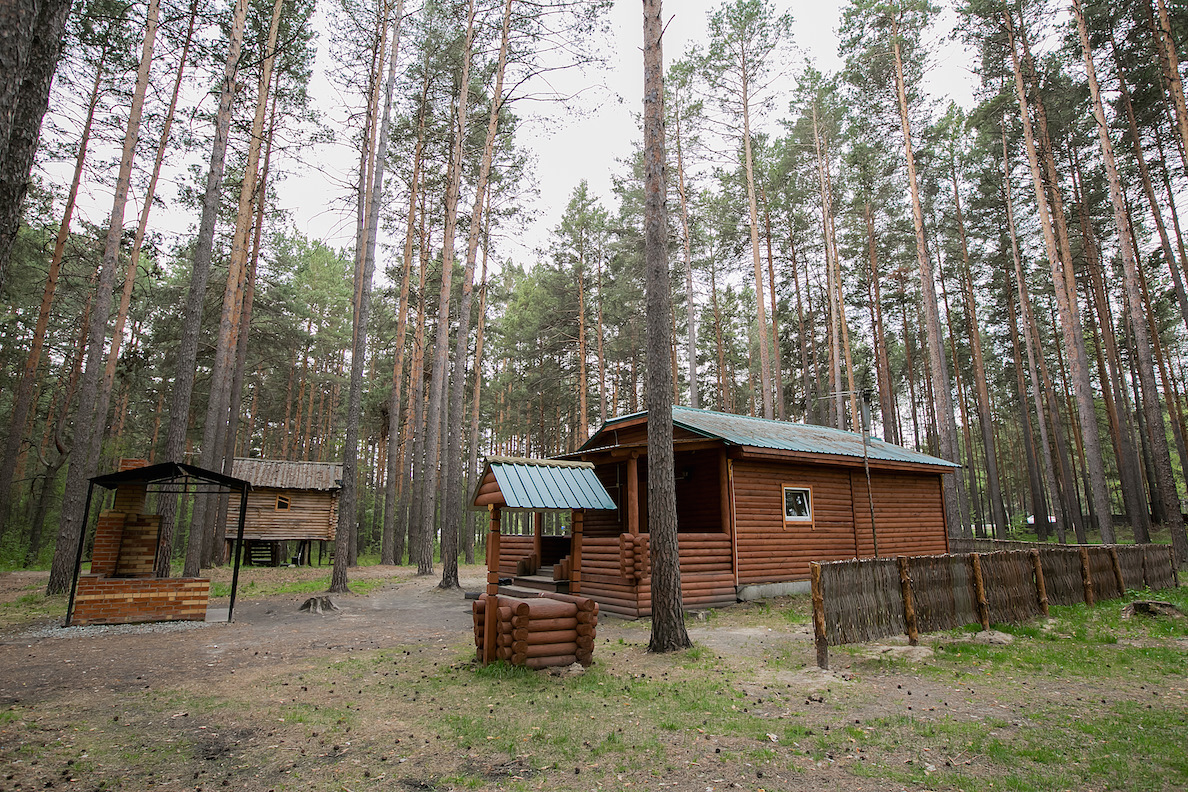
(311, 515)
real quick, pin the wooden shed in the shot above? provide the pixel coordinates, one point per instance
(289, 501)
(757, 500)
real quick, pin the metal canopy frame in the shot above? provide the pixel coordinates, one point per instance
(167, 475)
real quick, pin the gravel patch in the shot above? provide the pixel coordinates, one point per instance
(91, 630)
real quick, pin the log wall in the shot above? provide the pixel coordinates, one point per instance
(511, 550)
(311, 515)
(538, 632)
(602, 578)
(707, 579)
(909, 514)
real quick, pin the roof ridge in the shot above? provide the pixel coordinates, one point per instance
(286, 461)
(513, 460)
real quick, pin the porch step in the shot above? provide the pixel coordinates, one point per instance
(541, 583)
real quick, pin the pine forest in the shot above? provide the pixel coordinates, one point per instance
(998, 282)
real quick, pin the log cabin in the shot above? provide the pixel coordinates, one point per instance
(757, 501)
(289, 501)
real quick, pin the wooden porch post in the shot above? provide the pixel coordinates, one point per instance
(537, 530)
(727, 510)
(575, 560)
(633, 493)
(491, 625)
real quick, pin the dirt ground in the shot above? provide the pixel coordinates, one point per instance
(68, 697)
(266, 633)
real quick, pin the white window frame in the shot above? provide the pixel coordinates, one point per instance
(797, 519)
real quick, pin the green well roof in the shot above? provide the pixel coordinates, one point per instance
(546, 484)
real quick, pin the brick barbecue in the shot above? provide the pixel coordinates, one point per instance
(121, 587)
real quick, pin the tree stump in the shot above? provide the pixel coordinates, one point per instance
(319, 605)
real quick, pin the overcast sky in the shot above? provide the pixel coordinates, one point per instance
(585, 139)
(570, 146)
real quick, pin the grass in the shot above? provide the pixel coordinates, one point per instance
(32, 607)
(1083, 700)
(266, 587)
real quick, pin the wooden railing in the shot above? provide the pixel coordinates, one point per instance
(861, 600)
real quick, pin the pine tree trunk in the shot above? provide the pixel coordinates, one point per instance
(348, 502)
(1117, 403)
(88, 425)
(668, 624)
(946, 425)
(1061, 265)
(687, 247)
(72, 371)
(1148, 188)
(117, 333)
(778, 372)
(241, 345)
(1039, 505)
(439, 378)
(723, 394)
(30, 44)
(24, 397)
(851, 388)
(187, 354)
(391, 548)
(200, 550)
(971, 495)
(1078, 362)
(882, 363)
(809, 411)
(415, 471)
(909, 359)
(602, 410)
(451, 508)
(1168, 60)
(833, 287)
(985, 416)
(753, 210)
(472, 466)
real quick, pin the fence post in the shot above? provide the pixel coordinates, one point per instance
(1117, 565)
(909, 602)
(1171, 559)
(1087, 577)
(819, 616)
(1041, 588)
(980, 591)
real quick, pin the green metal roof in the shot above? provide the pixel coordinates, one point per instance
(745, 430)
(546, 484)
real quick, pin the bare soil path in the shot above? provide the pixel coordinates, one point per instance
(45, 660)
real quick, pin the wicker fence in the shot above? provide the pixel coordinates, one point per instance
(861, 600)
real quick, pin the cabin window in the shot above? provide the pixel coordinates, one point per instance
(282, 503)
(798, 505)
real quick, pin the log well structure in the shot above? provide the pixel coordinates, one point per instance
(536, 628)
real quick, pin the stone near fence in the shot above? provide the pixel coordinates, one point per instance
(1151, 608)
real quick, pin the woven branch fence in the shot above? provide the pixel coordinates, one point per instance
(865, 599)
